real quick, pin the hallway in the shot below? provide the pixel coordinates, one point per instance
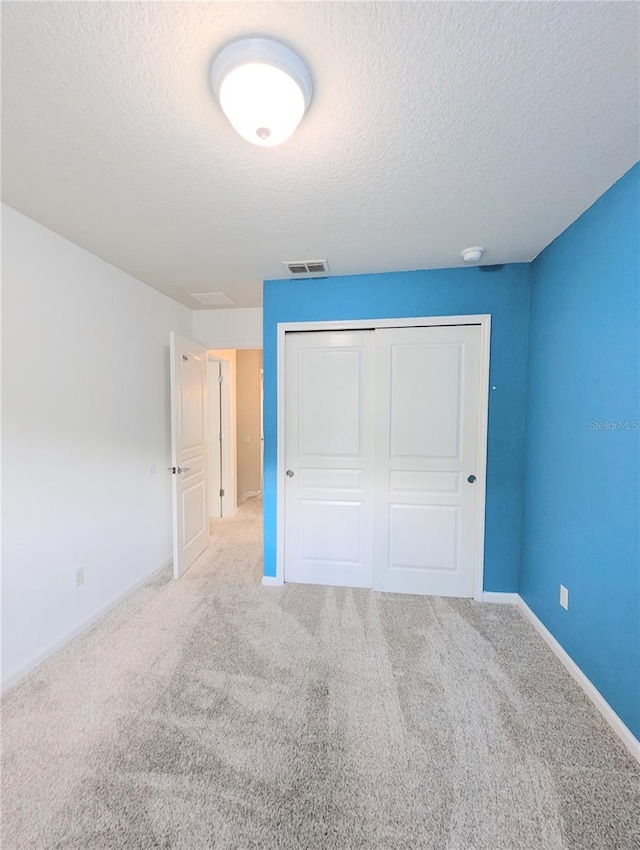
(215, 713)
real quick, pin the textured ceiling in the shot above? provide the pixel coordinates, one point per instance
(433, 126)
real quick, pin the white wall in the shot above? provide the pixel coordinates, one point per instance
(85, 395)
(241, 328)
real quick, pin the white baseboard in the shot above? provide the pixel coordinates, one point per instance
(57, 645)
(271, 581)
(622, 731)
(503, 598)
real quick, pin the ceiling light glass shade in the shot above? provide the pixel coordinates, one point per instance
(263, 88)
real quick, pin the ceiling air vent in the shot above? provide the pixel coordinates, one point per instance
(308, 266)
(212, 299)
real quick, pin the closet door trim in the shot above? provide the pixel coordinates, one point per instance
(484, 321)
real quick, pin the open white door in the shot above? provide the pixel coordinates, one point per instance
(188, 451)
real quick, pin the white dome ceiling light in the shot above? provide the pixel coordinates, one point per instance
(472, 255)
(263, 88)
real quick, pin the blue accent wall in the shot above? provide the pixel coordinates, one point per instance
(582, 511)
(504, 293)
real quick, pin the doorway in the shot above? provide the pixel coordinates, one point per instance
(249, 423)
(235, 429)
(222, 432)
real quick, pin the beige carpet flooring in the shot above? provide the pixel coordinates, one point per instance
(214, 713)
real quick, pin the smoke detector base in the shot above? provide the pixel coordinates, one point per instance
(472, 255)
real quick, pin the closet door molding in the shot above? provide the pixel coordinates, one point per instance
(484, 322)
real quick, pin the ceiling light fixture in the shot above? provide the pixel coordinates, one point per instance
(472, 255)
(263, 88)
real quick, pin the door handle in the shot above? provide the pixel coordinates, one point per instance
(290, 473)
(471, 479)
(179, 469)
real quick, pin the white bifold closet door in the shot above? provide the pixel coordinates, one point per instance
(381, 439)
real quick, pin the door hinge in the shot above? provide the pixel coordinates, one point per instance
(222, 492)
(220, 436)
(220, 379)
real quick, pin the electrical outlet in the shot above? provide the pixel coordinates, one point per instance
(79, 576)
(564, 597)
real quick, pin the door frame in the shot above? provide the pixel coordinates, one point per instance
(484, 321)
(228, 428)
